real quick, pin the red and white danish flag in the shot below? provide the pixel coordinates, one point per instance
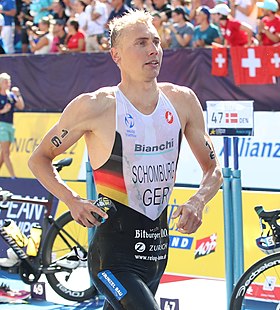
(219, 61)
(249, 65)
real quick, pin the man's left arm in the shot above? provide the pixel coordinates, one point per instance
(190, 213)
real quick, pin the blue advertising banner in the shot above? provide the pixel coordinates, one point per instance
(25, 214)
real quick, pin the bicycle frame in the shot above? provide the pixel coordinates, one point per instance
(69, 237)
(31, 264)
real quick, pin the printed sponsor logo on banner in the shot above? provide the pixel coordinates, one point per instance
(252, 148)
(25, 214)
(205, 246)
(179, 242)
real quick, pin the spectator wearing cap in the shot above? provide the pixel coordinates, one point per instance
(59, 35)
(181, 29)
(8, 10)
(246, 11)
(75, 40)
(41, 41)
(269, 25)
(205, 33)
(234, 32)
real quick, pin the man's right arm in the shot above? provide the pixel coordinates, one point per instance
(68, 130)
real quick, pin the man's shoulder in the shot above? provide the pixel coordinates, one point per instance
(176, 93)
(173, 88)
(98, 96)
(93, 104)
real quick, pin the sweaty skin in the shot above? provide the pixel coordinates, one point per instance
(128, 281)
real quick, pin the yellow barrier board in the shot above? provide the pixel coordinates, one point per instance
(202, 254)
(30, 129)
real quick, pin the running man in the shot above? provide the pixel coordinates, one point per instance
(133, 133)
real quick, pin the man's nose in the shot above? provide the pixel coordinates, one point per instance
(154, 49)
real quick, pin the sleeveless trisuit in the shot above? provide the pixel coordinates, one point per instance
(128, 253)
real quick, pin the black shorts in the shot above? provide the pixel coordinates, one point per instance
(127, 257)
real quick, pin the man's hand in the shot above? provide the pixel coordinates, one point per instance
(82, 212)
(190, 216)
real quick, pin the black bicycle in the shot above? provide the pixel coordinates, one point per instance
(62, 254)
(259, 286)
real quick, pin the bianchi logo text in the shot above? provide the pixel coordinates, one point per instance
(142, 148)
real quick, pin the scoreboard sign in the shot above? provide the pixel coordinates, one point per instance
(230, 118)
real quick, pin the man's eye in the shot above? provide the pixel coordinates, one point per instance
(142, 43)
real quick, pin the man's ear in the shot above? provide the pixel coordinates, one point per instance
(115, 55)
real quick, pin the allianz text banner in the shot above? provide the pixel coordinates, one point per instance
(259, 155)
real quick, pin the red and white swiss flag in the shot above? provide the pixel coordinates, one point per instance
(219, 61)
(273, 59)
(249, 65)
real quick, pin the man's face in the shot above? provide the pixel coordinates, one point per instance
(57, 28)
(215, 18)
(200, 17)
(176, 17)
(6, 84)
(138, 52)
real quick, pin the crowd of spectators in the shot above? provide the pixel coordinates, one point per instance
(63, 26)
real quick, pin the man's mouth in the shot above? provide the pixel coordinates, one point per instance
(152, 62)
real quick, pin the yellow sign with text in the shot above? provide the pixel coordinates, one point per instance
(203, 253)
(30, 129)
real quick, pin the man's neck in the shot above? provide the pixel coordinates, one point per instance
(204, 25)
(144, 95)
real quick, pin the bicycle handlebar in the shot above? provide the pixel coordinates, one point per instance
(9, 196)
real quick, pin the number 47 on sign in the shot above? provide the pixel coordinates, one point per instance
(230, 118)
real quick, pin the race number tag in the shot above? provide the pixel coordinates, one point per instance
(230, 118)
(38, 291)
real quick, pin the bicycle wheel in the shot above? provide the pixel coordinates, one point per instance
(73, 283)
(259, 287)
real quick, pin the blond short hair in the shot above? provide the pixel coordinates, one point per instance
(117, 25)
(4, 77)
